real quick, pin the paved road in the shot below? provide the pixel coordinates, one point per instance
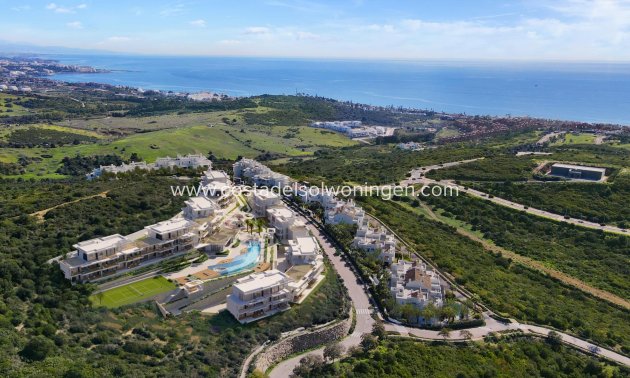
(357, 294)
(361, 301)
(417, 178)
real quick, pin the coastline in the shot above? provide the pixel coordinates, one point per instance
(531, 92)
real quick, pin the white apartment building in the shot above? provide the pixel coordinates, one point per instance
(259, 295)
(188, 161)
(199, 207)
(303, 250)
(413, 283)
(372, 240)
(102, 257)
(262, 200)
(214, 176)
(344, 213)
(287, 226)
(259, 174)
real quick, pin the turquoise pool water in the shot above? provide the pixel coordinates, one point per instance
(242, 262)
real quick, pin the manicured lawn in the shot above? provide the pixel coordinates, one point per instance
(133, 292)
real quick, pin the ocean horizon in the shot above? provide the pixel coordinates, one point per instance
(587, 92)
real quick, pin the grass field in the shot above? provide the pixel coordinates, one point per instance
(445, 132)
(571, 138)
(133, 292)
(15, 110)
(223, 140)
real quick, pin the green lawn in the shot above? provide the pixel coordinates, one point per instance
(571, 138)
(134, 292)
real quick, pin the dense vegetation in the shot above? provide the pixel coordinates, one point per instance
(80, 165)
(517, 358)
(506, 287)
(42, 137)
(595, 202)
(372, 164)
(499, 168)
(49, 328)
(596, 257)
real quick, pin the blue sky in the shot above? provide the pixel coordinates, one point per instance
(397, 29)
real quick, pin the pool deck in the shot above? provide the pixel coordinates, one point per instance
(206, 270)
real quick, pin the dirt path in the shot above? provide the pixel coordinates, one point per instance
(537, 265)
(42, 213)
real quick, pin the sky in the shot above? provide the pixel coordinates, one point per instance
(572, 30)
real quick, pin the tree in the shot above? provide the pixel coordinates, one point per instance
(378, 330)
(554, 339)
(308, 363)
(100, 296)
(445, 333)
(466, 334)
(333, 351)
(368, 342)
(37, 349)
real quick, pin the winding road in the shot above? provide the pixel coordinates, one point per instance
(417, 177)
(362, 303)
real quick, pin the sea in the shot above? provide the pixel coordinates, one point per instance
(588, 92)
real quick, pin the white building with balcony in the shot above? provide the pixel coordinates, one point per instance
(262, 200)
(416, 284)
(287, 226)
(259, 295)
(376, 240)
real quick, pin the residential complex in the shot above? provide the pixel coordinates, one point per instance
(259, 295)
(255, 173)
(188, 161)
(100, 258)
(413, 283)
(354, 129)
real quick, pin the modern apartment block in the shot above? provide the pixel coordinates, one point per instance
(258, 174)
(303, 250)
(99, 258)
(344, 213)
(373, 240)
(413, 283)
(287, 226)
(259, 295)
(262, 200)
(188, 161)
(199, 207)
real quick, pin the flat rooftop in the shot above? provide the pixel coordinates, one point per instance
(266, 194)
(580, 167)
(200, 203)
(170, 225)
(280, 212)
(98, 244)
(306, 245)
(257, 281)
(216, 175)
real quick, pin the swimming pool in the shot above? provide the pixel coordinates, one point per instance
(242, 262)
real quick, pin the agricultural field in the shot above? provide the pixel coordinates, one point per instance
(133, 292)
